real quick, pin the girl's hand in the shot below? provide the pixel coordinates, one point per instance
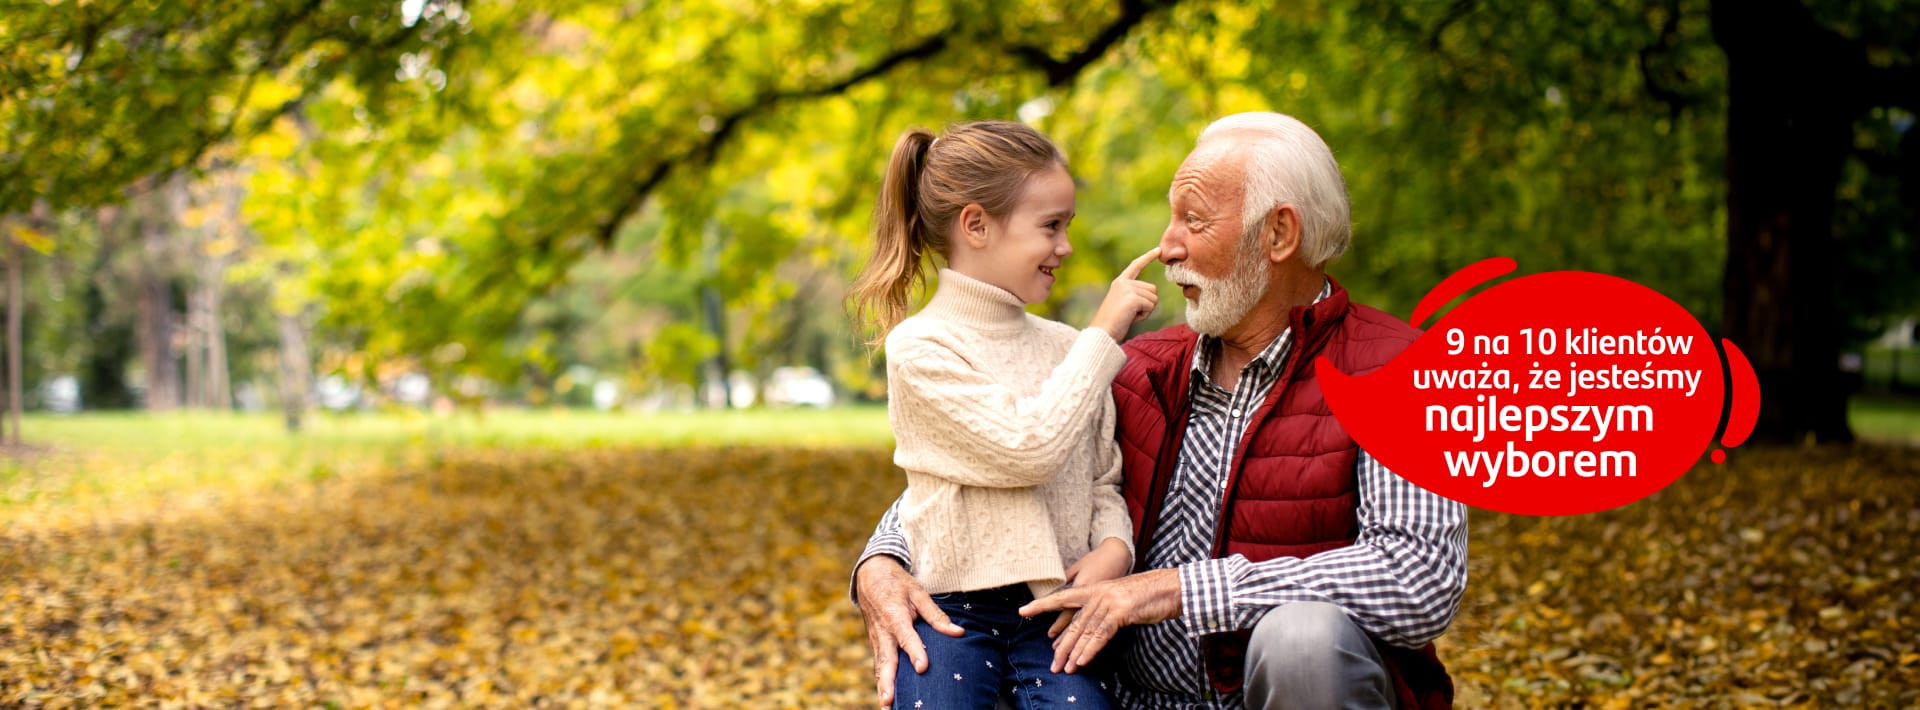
(1129, 301)
(1108, 561)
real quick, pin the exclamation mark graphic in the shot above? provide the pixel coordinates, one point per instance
(1745, 410)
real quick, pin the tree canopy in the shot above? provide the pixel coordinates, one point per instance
(503, 191)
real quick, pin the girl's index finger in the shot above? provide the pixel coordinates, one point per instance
(1133, 270)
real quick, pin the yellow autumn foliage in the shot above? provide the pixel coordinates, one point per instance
(691, 577)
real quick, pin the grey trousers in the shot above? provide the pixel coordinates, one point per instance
(1310, 655)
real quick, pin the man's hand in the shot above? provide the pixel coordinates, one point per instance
(1108, 561)
(890, 599)
(1102, 608)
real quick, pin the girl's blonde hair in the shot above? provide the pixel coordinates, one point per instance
(929, 180)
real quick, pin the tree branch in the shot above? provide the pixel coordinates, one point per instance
(90, 35)
(1662, 91)
(1059, 72)
(271, 62)
(263, 120)
(1459, 9)
(704, 153)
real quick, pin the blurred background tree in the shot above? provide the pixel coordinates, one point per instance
(616, 203)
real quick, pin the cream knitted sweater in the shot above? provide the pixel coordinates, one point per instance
(1003, 422)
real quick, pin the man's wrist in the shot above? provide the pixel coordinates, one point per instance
(1206, 602)
(862, 564)
(853, 585)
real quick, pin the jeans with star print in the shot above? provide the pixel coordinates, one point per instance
(1002, 656)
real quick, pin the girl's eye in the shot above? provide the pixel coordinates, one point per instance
(1053, 225)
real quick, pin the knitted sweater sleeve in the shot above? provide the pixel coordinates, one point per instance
(955, 422)
(1109, 508)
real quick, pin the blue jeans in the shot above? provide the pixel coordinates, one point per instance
(1001, 655)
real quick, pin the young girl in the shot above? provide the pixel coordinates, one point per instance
(1003, 420)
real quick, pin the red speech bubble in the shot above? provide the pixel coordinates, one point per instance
(1552, 394)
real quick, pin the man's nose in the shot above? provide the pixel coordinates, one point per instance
(1172, 247)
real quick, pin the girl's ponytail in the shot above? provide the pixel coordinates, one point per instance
(900, 240)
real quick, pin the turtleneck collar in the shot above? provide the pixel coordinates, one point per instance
(972, 302)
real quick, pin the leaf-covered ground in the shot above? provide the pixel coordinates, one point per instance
(715, 577)
(1783, 578)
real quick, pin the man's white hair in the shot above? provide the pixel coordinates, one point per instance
(1286, 162)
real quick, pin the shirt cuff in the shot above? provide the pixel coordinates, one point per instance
(1206, 602)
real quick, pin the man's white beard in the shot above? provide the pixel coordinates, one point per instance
(1223, 303)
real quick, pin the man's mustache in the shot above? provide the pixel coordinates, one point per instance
(1180, 275)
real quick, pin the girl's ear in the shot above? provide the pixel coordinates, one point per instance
(973, 225)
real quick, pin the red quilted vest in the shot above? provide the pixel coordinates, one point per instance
(1292, 491)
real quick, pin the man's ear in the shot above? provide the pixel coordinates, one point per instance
(1282, 236)
(973, 225)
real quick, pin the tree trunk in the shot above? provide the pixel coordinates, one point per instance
(219, 238)
(195, 346)
(1793, 98)
(156, 344)
(158, 322)
(111, 342)
(10, 347)
(294, 369)
(219, 382)
(720, 367)
(16, 255)
(713, 308)
(13, 267)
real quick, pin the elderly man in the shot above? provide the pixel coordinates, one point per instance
(1279, 565)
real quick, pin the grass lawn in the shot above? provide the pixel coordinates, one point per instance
(563, 428)
(131, 456)
(1885, 418)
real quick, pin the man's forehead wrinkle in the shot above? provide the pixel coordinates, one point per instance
(1206, 193)
(1191, 184)
(1212, 169)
